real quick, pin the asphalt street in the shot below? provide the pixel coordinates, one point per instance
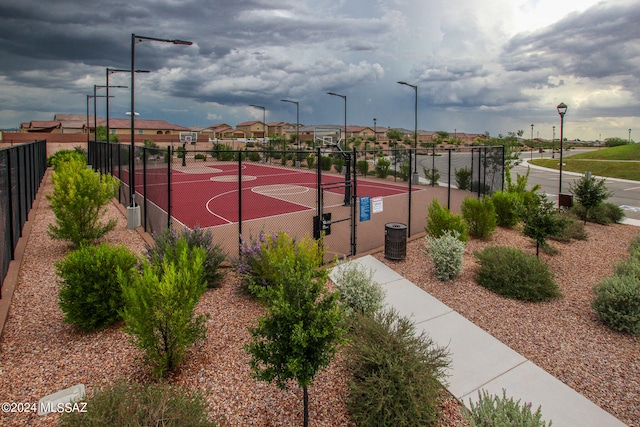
(626, 193)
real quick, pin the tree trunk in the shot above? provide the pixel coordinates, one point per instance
(305, 399)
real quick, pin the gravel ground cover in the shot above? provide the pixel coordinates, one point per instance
(565, 336)
(41, 354)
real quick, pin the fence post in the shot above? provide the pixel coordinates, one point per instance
(239, 201)
(449, 177)
(169, 161)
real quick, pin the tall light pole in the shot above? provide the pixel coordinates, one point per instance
(629, 136)
(133, 211)
(109, 72)
(553, 144)
(344, 97)
(95, 116)
(562, 109)
(415, 176)
(264, 118)
(297, 125)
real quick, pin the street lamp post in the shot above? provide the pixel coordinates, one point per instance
(531, 143)
(111, 71)
(562, 109)
(133, 211)
(297, 126)
(415, 177)
(629, 136)
(553, 144)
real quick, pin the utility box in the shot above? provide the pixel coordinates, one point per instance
(395, 241)
(565, 200)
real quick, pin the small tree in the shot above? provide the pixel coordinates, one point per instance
(542, 220)
(79, 198)
(160, 305)
(590, 192)
(303, 324)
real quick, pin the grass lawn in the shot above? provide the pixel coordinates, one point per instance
(615, 162)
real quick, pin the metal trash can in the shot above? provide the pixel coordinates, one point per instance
(395, 241)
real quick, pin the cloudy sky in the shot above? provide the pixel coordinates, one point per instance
(490, 65)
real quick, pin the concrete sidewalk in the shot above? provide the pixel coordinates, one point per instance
(480, 361)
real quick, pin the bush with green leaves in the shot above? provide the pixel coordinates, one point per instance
(79, 199)
(480, 216)
(159, 309)
(383, 166)
(589, 193)
(634, 246)
(90, 295)
(604, 214)
(493, 411)
(254, 156)
(441, 220)
(617, 300)
(165, 247)
(311, 161)
(325, 163)
(358, 291)
(137, 405)
(62, 156)
(432, 175)
(446, 252)
(506, 206)
(574, 229)
(303, 324)
(338, 163)
(512, 273)
(397, 374)
(463, 178)
(363, 167)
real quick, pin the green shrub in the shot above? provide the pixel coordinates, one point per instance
(90, 295)
(403, 171)
(617, 301)
(358, 291)
(502, 411)
(432, 175)
(160, 304)
(311, 161)
(200, 156)
(605, 213)
(441, 219)
(480, 216)
(136, 405)
(62, 156)
(325, 163)
(338, 163)
(589, 193)
(446, 253)
(506, 206)
(628, 267)
(514, 274)
(574, 229)
(166, 246)
(382, 168)
(463, 178)
(254, 156)
(634, 246)
(79, 199)
(396, 373)
(272, 252)
(363, 167)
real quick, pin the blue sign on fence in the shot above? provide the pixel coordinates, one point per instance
(365, 208)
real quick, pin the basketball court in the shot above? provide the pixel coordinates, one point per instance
(207, 193)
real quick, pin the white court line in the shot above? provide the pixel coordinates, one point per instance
(631, 188)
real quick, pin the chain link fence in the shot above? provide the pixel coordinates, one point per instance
(241, 194)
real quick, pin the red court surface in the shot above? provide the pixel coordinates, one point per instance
(207, 194)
